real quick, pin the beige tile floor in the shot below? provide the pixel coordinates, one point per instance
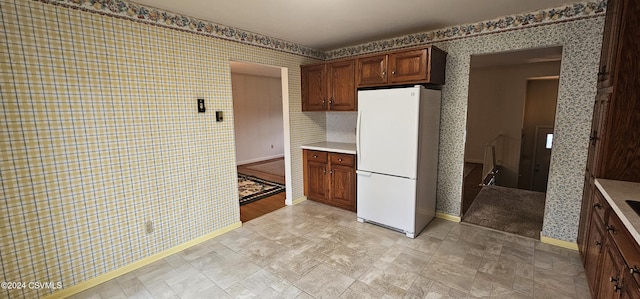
(315, 251)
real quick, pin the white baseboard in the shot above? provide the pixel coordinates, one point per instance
(447, 217)
(559, 243)
(238, 163)
(85, 285)
(295, 202)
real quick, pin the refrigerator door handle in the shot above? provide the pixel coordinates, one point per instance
(364, 173)
(358, 150)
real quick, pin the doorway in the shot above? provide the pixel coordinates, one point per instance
(496, 118)
(537, 133)
(262, 137)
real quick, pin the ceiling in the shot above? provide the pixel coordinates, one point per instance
(331, 24)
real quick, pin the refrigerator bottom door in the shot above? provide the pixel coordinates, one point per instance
(387, 200)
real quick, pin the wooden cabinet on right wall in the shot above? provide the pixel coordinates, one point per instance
(614, 153)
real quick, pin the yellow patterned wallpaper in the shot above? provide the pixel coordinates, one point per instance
(100, 134)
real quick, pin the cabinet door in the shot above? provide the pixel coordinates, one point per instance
(610, 279)
(317, 181)
(342, 88)
(408, 66)
(597, 137)
(585, 217)
(608, 53)
(594, 243)
(313, 87)
(343, 187)
(343, 181)
(630, 288)
(371, 71)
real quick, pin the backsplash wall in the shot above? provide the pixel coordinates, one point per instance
(341, 126)
(100, 133)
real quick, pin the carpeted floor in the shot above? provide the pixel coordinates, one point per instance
(274, 167)
(510, 210)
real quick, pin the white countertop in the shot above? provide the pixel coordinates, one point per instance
(616, 192)
(335, 147)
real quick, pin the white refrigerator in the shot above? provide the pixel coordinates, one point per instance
(397, 139)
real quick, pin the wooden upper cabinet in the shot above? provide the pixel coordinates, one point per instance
(341, 85)
(408, 66)
(314, 92)
(610, 37)
(332, 86)
(329, 86)
(372, 70)
(414, 66)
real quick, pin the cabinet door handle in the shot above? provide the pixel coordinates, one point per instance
(634, 270)
(331, 101)
(616, 288)
(393, 72)
(611, 228)
(324, 102)
(324, 171)
(597, 205)
(598, 243)
(593, 138)
(612, 279)
(331, 172)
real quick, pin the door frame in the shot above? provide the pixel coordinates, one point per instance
(286, 127)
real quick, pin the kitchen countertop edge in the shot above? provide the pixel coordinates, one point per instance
(334, 147)
(616, 192)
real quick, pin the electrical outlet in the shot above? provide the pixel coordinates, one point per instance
(148, 227)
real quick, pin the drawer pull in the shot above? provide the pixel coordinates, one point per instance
(339, 159)
(611, 279)
(597, 205)
(616, 288)
(611, 228)
(315, 156)
(598, 243)
(634, 270)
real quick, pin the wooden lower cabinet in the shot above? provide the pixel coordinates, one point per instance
(611, 254)
(630, 288)
(609, 282)
(330, 178)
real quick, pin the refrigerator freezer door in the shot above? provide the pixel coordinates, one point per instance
(387, 200)
(387, 131)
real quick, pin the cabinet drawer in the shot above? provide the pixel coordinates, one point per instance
(342, 159)
(626, 244)
(600, 206)
(317, 156)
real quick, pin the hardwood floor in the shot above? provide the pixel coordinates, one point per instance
(266, 205)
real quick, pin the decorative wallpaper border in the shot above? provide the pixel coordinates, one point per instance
(558, 14)
(154, 16)
(150, 15)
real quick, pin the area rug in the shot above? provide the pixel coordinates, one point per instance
(251, 188)
(273, 167)
(510, 210)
